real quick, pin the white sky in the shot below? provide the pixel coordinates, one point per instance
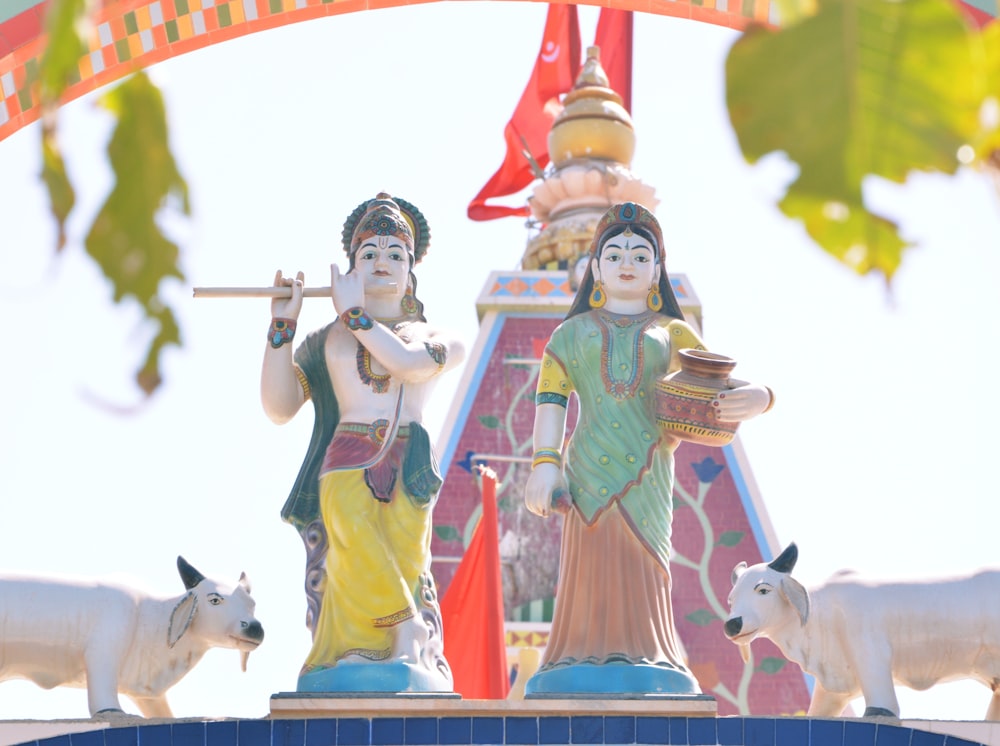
(878, 454)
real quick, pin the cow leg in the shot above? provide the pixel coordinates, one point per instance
(993, 712)
(825, 703)
(101, 661)
(879, 690)
(102, 690)
(153, 707)
(101, 703)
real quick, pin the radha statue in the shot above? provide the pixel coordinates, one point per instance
(613, 628)
(370, 478)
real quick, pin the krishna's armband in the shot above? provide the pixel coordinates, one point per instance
(438, 353)
(554, 386)
(303, 381)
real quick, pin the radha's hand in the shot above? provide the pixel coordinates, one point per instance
(288, 308)
(742, 402)
(346, 289)
(545, 482)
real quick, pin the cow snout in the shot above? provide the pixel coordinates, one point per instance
(734, 626)
(252, 630)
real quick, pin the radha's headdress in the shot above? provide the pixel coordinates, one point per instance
(626, 218)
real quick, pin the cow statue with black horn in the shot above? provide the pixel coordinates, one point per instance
(114, 640)
(861, 636)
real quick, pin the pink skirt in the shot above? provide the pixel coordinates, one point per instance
(613, 598)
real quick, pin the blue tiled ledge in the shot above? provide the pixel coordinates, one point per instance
(429, 730)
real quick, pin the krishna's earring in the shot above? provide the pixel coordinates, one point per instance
(654, 301)
(409, 302)
(597, 297)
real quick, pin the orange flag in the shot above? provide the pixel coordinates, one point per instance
(527, 132)
(614, 37)
(472, 609)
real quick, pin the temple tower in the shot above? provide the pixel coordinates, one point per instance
(719, 518)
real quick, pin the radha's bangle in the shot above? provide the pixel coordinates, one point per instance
(546, 456)
(280, 331)
(357, 320)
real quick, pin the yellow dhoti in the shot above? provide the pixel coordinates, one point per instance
(378, 552)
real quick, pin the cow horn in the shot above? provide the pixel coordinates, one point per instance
(189, 575)
(785, 561)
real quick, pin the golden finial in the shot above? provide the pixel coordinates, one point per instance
(593, 123)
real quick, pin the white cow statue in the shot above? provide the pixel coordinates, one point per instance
(111, 639)
(859, 636)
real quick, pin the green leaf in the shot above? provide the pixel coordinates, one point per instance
(702, 617)
(730, 538)
(65, 22)
(126, 240)
(862, 87)
(62, 197)
(771, 665)
(987, 145)
(447, 533)
(148, 376)
(790, 11)
(489, 421)
(58, 66)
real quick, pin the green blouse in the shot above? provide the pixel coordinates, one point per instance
(617, 454)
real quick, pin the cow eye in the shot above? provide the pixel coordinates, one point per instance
(763, 591)
(215, 600)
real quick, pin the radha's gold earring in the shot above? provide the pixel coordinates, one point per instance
(654, 301)
(597, 296)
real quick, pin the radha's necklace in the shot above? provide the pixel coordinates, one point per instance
(625, 386)
(378, 381)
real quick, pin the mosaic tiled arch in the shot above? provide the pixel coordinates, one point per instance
(130, 34)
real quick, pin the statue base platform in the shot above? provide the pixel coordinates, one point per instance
(423, 704)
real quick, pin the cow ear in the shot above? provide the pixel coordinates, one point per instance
(796, 594)
(245, 582)
(181, 618)
(738, 570)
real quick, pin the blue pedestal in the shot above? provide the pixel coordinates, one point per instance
(621, 679)
(373, 677)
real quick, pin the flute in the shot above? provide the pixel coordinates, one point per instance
(268, 292)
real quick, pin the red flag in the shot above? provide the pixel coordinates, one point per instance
(472, 610)
(614, 37)
(528, 129)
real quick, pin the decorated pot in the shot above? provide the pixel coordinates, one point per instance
(684, 398)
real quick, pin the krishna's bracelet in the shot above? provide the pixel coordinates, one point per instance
(280, 331)
(357, 320)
